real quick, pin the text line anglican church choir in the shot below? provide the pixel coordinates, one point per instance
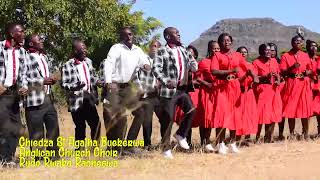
(223, 91)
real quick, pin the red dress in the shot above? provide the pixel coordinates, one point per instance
(297, 94)
(315, 85)
(206, 95)
(226, 112)
(268, 95)
(248, 106)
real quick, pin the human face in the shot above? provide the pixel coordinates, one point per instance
(81, 50)
(227, 43)
(244, 52)
(37, 42)
(215, 48)
(314, 48)
(18, 34)
(297, 43)
(153, 48)
(267, 52)
(127, 37)
(174, 36)
(273, 52)
(191, 52)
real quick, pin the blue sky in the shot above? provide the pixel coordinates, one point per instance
(192, 17)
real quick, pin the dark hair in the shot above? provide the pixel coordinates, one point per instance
(121, 30)
(74, 43)
(309, 43)
(221, 38)
(28, 40)
(294, 38)
(10, 27)
(210, 45)
(242, 47)
(262, 48)
(194, 50)
(166, 31)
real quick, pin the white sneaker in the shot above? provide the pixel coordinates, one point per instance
(182, 141)
(167, 154)
(222, 149)
(234, 148)
(208, 148)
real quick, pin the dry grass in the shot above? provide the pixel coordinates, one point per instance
(285, 160)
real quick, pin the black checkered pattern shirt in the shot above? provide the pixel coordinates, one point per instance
(22, 78)
(165, 69)
(36, 94)
(70, 80)
(145, 79)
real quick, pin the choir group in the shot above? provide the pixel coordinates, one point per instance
(222, 91)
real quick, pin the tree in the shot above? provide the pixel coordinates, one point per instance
(95, 21)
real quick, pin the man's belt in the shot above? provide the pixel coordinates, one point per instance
(123, 85)
(152, 94)
(182, 88)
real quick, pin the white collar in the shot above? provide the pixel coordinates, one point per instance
(132, 48)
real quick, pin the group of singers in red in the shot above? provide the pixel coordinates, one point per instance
(236, 95)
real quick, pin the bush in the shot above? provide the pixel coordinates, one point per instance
(59, 95)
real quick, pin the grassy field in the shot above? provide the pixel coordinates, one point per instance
(283, 160)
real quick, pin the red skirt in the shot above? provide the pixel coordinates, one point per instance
(205, 107)
(316, 104)
(297, 98)
(249, 114)
(316, 98)
(226, 111)
(269, 103)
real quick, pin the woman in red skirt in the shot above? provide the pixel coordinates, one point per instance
(248, 103)
(206, 97)
(274, 54)
(267, 92)
(312, 49)
(225, 66)
(297, 93)
(248, 107)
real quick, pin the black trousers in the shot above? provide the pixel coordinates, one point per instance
(168, 105)
(10, 126)
(87, 112)
(143, 116)
(43, 115)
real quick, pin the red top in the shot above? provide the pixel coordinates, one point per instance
(289, 58)
(228, 61)
(204, 70)
(263, 68)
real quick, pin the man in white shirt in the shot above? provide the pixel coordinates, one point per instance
(119, 68)
(13, 85)
(40, 110)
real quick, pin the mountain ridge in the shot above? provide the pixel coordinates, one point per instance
(251, 32)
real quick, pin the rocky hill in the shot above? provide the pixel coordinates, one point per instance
(251, 33)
